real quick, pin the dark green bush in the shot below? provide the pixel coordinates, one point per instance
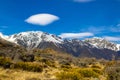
(27, 57)
(28, 66)
(99, 71)
(96, 66)
(69, 76)
(5, 62)
(88, 73)
(48, 62)
(66, 66)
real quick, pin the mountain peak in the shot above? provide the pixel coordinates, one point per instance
(42, 40)
(102, 43)
(3, 36)
(33, 38)
(30, 32)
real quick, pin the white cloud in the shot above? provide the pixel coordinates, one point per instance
(2, 28)
(94, 29)
(76, 35)
(110, 38)
(83, 1)
(118, 25)
(115, 28)
(102, 29)
(42, 19)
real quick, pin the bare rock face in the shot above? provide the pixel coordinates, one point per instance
(93, 47)
(101, 43)
(33, 39)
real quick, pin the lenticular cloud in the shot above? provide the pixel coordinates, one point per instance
(42, 19)
(76, 35)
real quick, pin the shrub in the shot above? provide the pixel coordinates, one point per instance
(82, 64)
(69, 76)
(113, 73)
(48, 62)
(28, 66)
(5, 62)
(88, 73)
(96, 66)
(27, 57)
(99, 71)
(66, 66)
(64, 62)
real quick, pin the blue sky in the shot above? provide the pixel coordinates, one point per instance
(68, 18)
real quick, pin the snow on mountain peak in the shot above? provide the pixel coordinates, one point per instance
(3, 36)
(102, 43)
(33, 38)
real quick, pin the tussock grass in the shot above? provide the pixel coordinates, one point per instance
(8, 74)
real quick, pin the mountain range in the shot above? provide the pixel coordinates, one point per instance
(92, 47)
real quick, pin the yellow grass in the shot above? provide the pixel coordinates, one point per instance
(10, 74)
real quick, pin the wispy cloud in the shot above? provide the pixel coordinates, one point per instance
(95, 29)
(111, 38)
(115, 28)
(2, 28)
(83, 1)
(42, 19)
(76, 35)
(118, 25)
(102, 29)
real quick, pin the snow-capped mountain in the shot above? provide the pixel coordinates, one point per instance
(102, 43)
(93, 47)
(32, 39)
(4, 36)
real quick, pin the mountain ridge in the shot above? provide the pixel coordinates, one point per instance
(102, 43)
(39, 36)
(94, 47)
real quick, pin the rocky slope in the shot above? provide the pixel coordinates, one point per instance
(8, 49)
(101, 43)
(94, 47)
(32, 39)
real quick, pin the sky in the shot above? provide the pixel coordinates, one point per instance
(65, 18)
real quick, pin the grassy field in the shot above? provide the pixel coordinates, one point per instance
(51, 65)
(14, 74)
(8, 74)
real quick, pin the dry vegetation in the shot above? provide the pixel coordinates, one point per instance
(17, 63)
(10, 74)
